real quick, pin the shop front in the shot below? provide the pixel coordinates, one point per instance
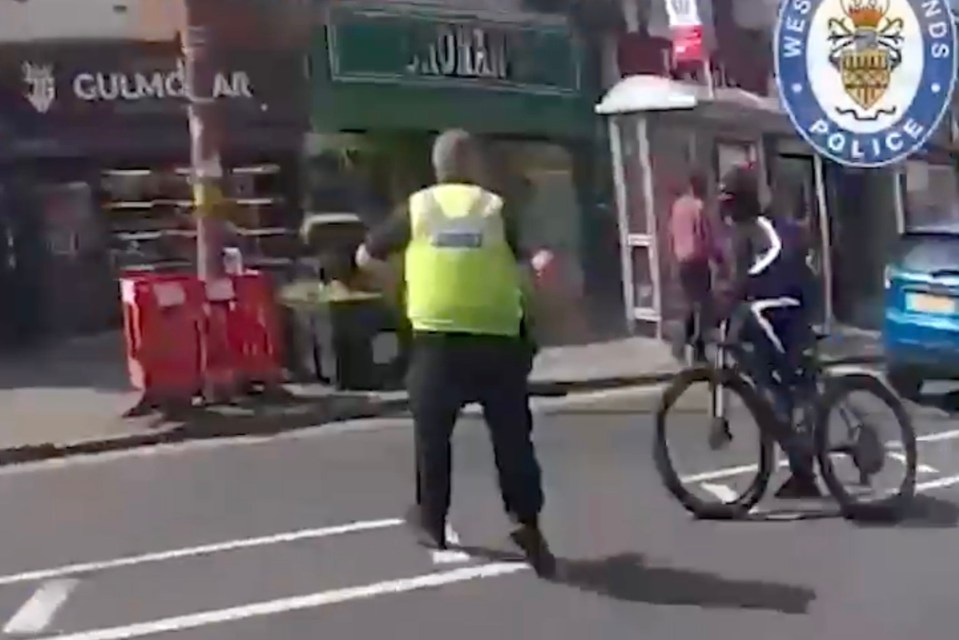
(665, 123)
(668, 121)
(929, 182)
(396, 76)
(100, 162)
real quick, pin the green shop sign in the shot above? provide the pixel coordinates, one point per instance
(373, 45)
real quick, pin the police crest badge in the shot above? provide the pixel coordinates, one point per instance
(866, 82)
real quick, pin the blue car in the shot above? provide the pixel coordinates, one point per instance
(921, 328)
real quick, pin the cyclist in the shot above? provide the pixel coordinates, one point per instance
(769, 314)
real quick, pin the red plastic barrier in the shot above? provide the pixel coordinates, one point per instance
(256, 329)
(161, 316)
(221, 363)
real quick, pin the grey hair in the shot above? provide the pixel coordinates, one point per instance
(450, 152)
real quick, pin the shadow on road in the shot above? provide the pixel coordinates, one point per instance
(947, 402)
(926, 512)
(626, 577)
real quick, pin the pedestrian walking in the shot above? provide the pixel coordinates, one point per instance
(463, 295)
(695, 252)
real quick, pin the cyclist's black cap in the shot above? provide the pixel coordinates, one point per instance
(739, 192)
(739, 181)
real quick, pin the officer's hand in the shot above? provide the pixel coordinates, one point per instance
(363, 258)
(542, 261)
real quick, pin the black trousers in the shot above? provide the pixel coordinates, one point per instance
(695, 278)
(449, 371)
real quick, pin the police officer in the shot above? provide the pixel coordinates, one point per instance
(464, 302)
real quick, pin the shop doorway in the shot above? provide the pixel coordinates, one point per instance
(19, 265)
(863, 228)
(793, 195)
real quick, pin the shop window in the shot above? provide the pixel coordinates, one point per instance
(78, 293)
(931, 195)
(632, 174)
(149, 212)
(536, 180)
(373, 173)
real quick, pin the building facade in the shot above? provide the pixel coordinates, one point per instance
(395, 75)
(853, 216)
(95, 163)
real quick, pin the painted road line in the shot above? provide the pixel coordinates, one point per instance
(208, 549)
(450, 556)
(296, 603)
(729, 472)
(36, 613)
(720, 473)
(721, 491)
(938, 483)
(938, 436)
(920, 468)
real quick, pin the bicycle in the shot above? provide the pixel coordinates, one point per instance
(825, 392)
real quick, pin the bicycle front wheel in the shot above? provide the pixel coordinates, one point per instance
(721, 490)
(862, 451)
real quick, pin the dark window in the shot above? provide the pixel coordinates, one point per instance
(928, 252)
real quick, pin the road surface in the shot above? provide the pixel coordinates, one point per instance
(298, 537)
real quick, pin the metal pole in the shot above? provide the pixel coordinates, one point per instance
(826, 235)
(205, 135)
(615, 124)
(207, 177)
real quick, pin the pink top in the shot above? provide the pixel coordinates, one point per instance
(691, 231)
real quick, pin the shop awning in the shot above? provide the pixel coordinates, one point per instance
(648, 93)
(641, 93)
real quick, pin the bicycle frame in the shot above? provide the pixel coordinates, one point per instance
(816, 371)
(718, 400)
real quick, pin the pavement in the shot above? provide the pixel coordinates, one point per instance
(70, 398)
(298, 536)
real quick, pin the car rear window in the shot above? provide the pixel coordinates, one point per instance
(928, 252)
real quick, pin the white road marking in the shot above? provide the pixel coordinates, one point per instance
(450, 556)
(728, 472)
(721, 491)
(938, 436)
(295, 603)
(720, 473)
(938, 483)
(920, 467)
(208, 549)
(36, 613)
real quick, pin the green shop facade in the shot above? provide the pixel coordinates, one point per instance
(392, 77)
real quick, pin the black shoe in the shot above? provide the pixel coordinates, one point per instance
(431, 536)
(799, 488)
(533, 545)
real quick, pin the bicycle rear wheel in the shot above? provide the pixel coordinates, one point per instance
(735, 504)
(864, 448)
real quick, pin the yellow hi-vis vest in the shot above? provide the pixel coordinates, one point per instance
(461, 275)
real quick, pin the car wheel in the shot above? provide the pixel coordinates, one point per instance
(906, 383)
